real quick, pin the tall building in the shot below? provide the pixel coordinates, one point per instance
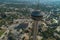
(36, 16)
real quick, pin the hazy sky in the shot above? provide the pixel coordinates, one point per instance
(40, 0)
(43, 0)
(32, 0)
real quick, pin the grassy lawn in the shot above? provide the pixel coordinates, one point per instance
(1, 32)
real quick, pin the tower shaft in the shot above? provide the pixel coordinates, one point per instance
(35, 30)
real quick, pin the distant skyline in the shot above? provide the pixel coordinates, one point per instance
(31, 1)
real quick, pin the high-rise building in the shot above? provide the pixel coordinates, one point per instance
(36, 16)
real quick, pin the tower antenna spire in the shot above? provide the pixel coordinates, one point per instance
(38, 2)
